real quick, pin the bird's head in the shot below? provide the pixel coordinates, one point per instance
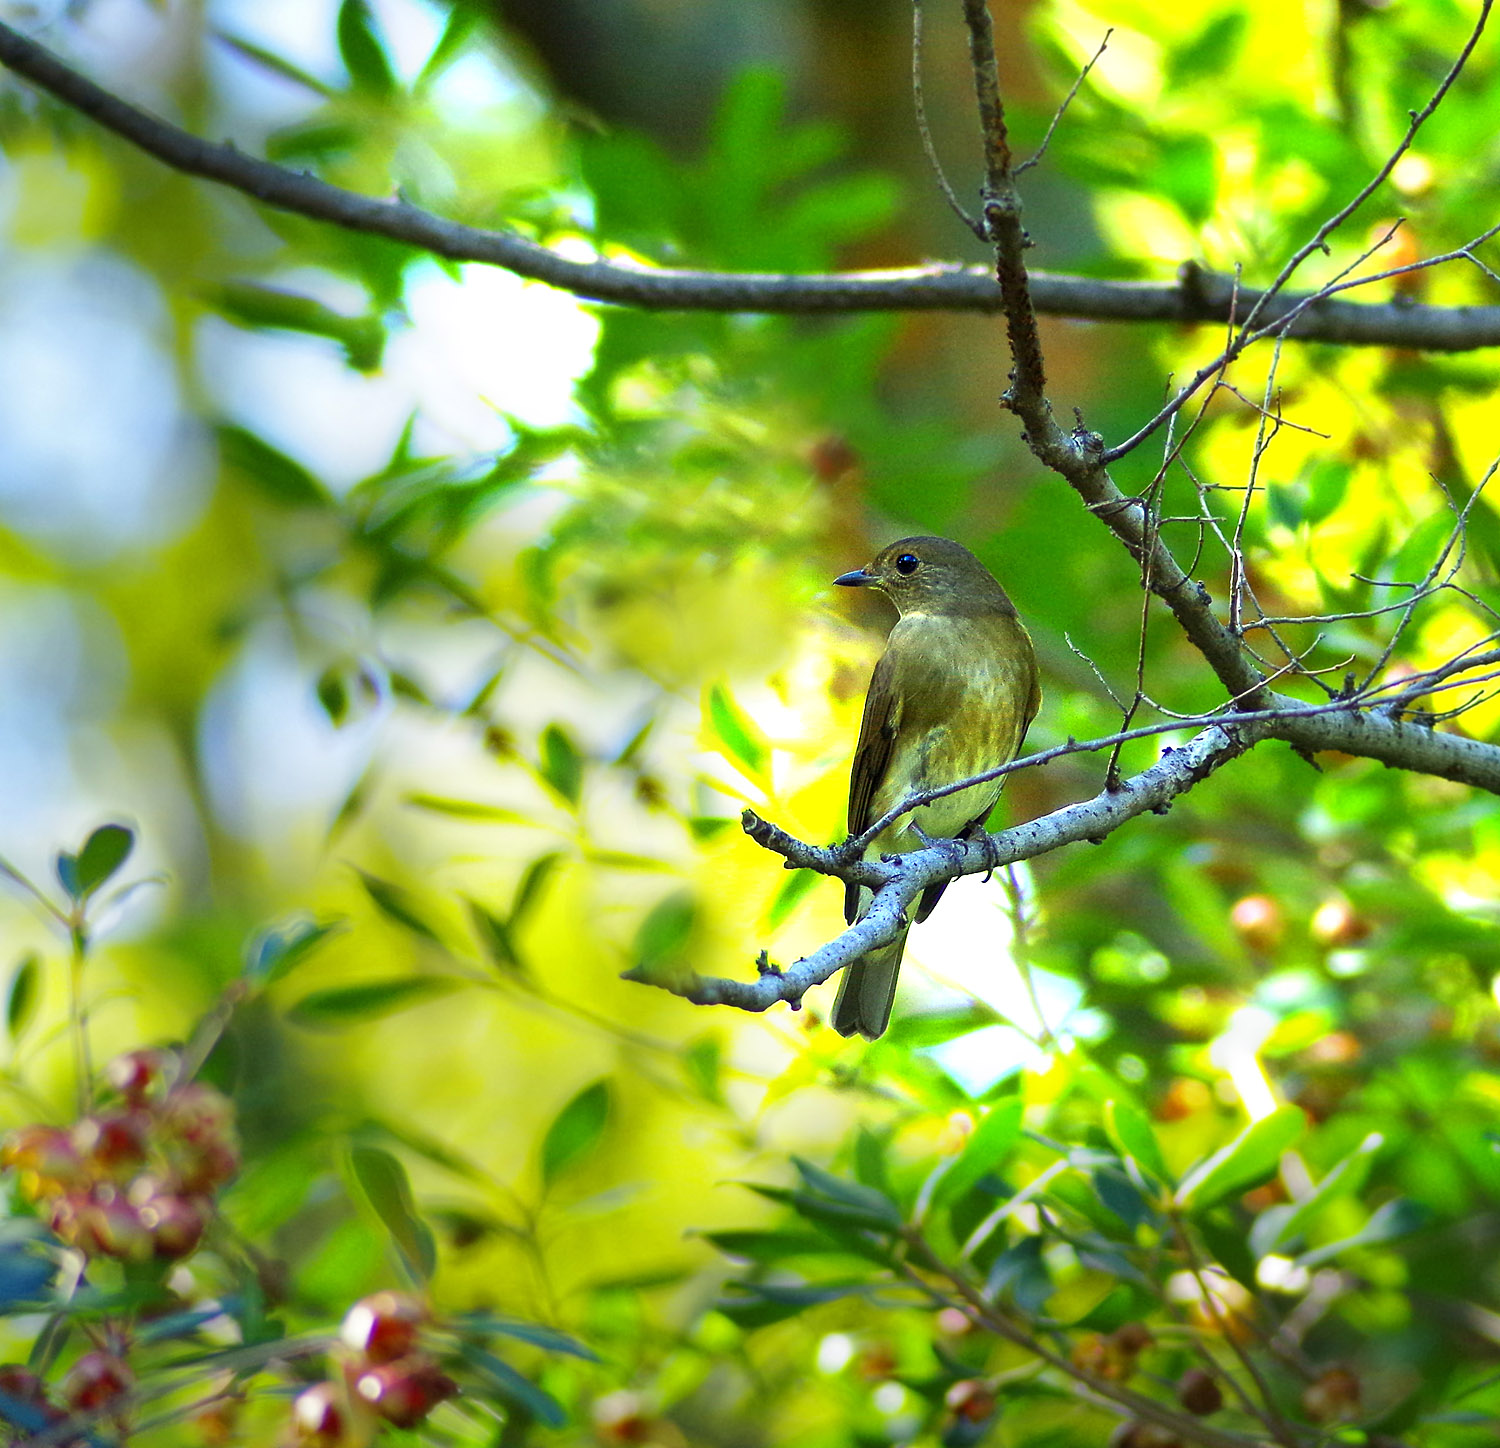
(931, 575)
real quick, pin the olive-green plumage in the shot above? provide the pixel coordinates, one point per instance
(951, 696)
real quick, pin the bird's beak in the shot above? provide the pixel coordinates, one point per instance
(858, 579)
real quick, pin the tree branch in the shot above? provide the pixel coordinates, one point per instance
(1195, 297)
(897, 880)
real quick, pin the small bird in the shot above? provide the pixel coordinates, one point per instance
(952, 696)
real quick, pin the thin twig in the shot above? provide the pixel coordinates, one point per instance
(919, 106)
(1062, 110)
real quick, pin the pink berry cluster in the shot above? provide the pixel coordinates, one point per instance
(134, 1180)
(385, 1376)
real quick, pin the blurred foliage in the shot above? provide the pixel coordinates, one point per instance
(432, 629)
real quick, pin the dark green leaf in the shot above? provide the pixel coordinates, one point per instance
(494, 936)
(1251, 1157)
(833, 1198)
(1344, 1177)
(768, 1248)
(529, 890)
(484, 1324)
(1210, 52)
(274, 952)
(515, 1391)
(664, 935)
(397, 904)
(463, 20)
(560, 763)
(703, 1063)
(252, 304)
(742, 739)
(794, 889)
(279, 478)
(21, 995)
(576, 1131)
(759, 1304)
(383, 1180)
(361, 50)
(333, 694)
(344, 1005)
(105, 850)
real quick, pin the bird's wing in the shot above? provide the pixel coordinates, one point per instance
(872, 757)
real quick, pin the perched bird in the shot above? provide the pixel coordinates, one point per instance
(951, 696)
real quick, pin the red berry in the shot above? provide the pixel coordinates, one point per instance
(112, 1143)
(96, 1380)
(317, 1419)
(137, 1075)
(405, 1391)
(175, 1221)
(621, 1417)
(21, 1384)
(383, 1326)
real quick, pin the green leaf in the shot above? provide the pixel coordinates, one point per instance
(252, 304)
(529, 890)
(269, 60)
(575, 1132)
(362, 52)
(985, 1151)
(463, 20)
(344, 1005)
(282, 480)
(494, 936)
(21, 995)
(560, 764)
(278, 949)
(794, 889)
(384, 1182)
(105, 850)
(1251, 1157)
(397, 904)
(468, 809)
(516, 1392)
(1284, 1224)
(664, 935)
(1390, 1220)
(742, 739)
(333, 694)
(768, 1248)
(1133, 1137)
(703, 1064)
(1209, 53)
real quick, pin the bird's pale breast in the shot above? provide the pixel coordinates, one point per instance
(964, 710)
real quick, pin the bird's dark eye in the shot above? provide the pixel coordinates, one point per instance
(907, 563)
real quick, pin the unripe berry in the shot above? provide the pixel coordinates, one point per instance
(1199, 1393)
(45, 1160)
(1258, 921)
(1334, 1395)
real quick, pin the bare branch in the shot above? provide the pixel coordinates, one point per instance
(1062, 110)
(1195, 297)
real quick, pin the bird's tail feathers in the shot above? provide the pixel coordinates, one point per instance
(868, 988)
